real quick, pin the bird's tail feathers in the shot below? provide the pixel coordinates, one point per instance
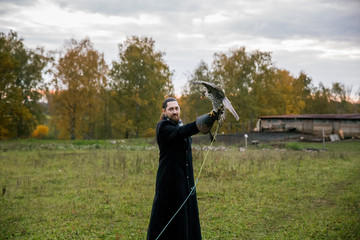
(227, 105)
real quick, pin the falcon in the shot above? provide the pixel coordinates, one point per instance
(218, 99)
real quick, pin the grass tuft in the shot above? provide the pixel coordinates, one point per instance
(293, 146)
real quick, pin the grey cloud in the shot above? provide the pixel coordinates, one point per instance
(114, 7)
(289, 21)
(18, 2)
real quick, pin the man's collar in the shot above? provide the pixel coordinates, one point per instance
(180, 121)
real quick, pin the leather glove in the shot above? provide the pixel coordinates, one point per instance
(205, 122)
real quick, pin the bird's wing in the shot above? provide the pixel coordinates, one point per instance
(227, 105)
(212, 88)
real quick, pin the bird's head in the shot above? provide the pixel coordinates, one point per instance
(203, 95)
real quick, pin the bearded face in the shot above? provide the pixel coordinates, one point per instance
(172, 111)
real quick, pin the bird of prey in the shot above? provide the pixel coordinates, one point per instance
(218, 99)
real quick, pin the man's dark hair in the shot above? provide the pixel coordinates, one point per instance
(169, 99)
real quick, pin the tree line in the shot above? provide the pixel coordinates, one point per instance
(77, 95)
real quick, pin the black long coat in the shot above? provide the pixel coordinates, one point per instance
(174, 181)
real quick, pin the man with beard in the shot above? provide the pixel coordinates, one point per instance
(175, 177)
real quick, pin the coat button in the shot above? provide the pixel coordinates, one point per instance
(187, 176)
(187, 165)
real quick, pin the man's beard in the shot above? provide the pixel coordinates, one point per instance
(175, 119)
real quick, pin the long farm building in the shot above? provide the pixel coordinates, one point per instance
(346, 124)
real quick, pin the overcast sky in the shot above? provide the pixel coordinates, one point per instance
(319, 37)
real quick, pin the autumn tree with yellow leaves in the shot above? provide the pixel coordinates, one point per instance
(140, 81)
(242, 76)
(21, 83)
(80, 76)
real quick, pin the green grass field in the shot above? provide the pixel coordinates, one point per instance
(104, 190)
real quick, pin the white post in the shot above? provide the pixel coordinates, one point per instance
(246, 137)
(323, 138)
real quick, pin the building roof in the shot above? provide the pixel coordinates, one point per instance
(315, 116)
